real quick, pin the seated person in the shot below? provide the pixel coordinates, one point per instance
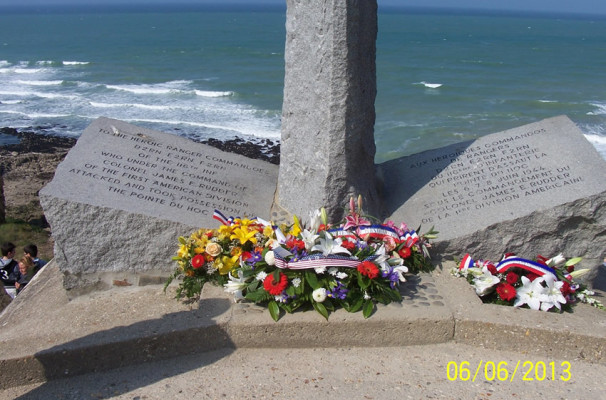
(24, 272)
(7, 264)
(32, 251)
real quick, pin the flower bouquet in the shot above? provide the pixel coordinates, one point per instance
(352, 265)
(543, 284)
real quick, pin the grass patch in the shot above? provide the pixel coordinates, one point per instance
(22, 233)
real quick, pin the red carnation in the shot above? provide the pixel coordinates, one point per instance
(348, 245)
(198, 261)
(369, 269)
(275, 288)
(570, 268)
(492, 269)
(566, 289)
(295, 244)
(404, 252)
(531, 277)
(506, 291)
(512, 278)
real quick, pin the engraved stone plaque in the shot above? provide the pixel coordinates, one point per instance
(531, 188)
(124, 194)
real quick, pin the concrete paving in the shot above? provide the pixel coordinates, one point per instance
(213, 347)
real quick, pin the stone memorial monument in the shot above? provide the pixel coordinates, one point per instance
(124, 194)
(328, 115)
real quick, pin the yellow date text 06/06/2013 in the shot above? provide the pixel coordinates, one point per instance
(503, 371)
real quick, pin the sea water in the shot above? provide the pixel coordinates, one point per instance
(203, 72)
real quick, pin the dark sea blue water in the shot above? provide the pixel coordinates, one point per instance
(442, 77)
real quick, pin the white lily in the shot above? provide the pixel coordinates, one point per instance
(309, 238)
(529, 293)
(315, 220)
(552, 295)
(485, 283)
(556, 261)
(382, 258)
(328, 245)
(401, 270)
(235, 286)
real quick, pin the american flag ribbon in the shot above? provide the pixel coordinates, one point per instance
(528, 265)
(318, 261)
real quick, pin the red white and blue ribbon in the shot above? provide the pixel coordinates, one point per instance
(528, 265)
(466, 262)
(377, 231)
(315, 260)
(222, 218)
(410, 238)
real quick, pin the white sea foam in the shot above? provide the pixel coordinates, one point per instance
(134, 105)
(600, 109)
(207, 93)
(27, 70)
(11, 101)
(39, 83)
(429, 85)
(44, 62)
(599, 142)
(4, 63)
(159, 88)
(547, 101)
(76, 62)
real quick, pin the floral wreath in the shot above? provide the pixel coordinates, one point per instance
(353, 265)
(545, 284)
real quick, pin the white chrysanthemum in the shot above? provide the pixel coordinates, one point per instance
(296, 282)
(341, 275)
(366, 296)
(261, 276)
(320, 270)
(270, 258)
(319, 295)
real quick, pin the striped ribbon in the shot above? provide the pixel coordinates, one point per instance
(528, 265)
(466, 262)
(318, 260)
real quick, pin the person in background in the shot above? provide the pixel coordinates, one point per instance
(7, 264)
(24, 272)
(32, 251)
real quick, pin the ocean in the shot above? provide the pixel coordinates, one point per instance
(442, 77)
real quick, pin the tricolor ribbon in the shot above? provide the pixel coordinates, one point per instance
(377, 231)
(466, 262)
(528, 265)
(222, 218)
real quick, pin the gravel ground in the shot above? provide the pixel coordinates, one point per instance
(413, 372)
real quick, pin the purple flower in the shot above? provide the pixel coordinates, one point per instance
(339, 292)
(392, 275)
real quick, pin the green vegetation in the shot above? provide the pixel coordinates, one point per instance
(22, 233)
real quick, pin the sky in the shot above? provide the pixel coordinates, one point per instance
(565, 6)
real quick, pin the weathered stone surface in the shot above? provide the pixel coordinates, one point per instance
(2, 206)
(536, 189)
(124, 194)
(327, 148)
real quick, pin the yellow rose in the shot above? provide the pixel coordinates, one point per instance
(213, 249)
